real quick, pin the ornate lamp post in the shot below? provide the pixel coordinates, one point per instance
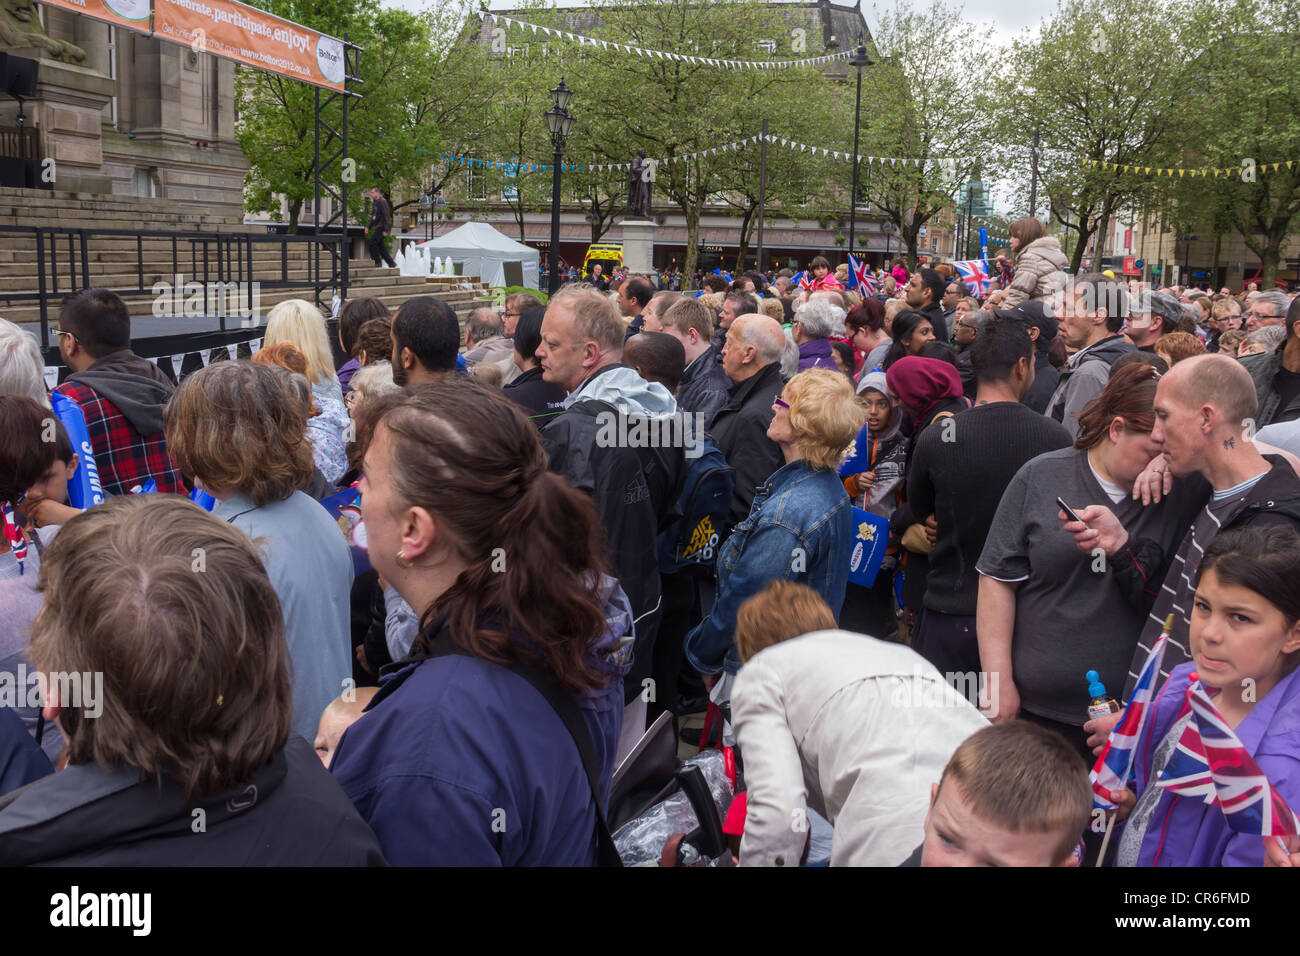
(560, 123)
(859, 60)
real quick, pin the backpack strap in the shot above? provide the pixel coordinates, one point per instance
(566, 708)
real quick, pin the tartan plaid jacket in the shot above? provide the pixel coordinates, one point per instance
(124, 457)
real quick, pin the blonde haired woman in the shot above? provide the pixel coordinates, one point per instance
(298, 323)
(799, 526)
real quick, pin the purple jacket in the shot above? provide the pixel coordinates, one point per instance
(350, 368)
(816, 353)
(1184, 831)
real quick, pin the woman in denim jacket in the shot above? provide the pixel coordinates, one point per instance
(799, 526)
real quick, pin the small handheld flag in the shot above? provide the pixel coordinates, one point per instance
(1247, 798)
(1114, 767)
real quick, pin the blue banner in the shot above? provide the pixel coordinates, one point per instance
(984, 243)
(867, 546)
(84, 490)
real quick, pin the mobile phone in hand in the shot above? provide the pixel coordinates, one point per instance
(1069, 511)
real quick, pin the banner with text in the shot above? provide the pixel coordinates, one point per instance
(252, 37)
(131, 14)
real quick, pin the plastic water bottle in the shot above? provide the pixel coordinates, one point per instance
(1101, 704)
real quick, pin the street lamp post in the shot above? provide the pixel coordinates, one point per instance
(860, 60)
(560, 123)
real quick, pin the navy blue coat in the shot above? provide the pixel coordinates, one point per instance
(461, 762)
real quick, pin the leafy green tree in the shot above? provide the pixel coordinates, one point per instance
(927, 101)
(1104, 82)
(1250, 48)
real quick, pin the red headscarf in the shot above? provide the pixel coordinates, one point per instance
(921, 383)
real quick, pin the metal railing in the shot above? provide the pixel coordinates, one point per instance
(64, 258)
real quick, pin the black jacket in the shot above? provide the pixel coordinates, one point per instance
(740, 431)
(1140, 568)
(543, 400)
(636, 492)
(1046, 378)
(292, 813)
(705, 386)
(380, 219)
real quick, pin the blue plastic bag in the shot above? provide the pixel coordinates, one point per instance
(84, 490)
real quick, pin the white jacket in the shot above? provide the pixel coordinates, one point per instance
(853, 727)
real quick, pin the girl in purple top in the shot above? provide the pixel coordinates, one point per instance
(1245, 645)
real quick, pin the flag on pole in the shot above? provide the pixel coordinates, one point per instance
(975, 273)
(801, 280)
(860, 275)
(1114, 766)
(1246, 796)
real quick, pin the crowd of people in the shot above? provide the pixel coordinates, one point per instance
(634, 500)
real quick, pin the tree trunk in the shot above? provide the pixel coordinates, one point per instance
(692, 214)
(746, 229)
(295, 209)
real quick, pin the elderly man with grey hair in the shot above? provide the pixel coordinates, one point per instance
(814, 323)
(1267, 308)
(485, 339)
(751, 359)
(1276, 372)
(22, 370)
(1153, 314)
(967, 324)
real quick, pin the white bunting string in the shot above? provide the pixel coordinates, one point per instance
(661, 55)
(516, 167)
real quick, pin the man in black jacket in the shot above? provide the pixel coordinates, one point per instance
(705, 386)
(1200, 406)
(635, 483)
(381, 224)
(925, 294)
(751, 360)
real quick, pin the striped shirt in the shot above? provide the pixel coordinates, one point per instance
(1179, 587)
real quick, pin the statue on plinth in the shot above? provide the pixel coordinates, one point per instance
(638, 191)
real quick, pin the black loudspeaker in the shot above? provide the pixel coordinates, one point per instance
(19, 76)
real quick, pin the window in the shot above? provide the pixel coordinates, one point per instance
(476, 184)
(144, 183)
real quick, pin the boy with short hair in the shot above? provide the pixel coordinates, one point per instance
(1013, 794)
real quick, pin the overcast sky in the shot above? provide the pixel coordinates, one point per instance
(1008, 17)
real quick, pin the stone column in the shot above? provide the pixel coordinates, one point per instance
(638, 245)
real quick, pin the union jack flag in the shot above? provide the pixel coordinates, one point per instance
(975, 273)
(1114, 766)
(802, 280)
(1188, 771)
(860, 275)
(1248, 800)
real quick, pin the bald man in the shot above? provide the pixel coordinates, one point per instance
(751, 359)
(341, 714)
(657, 357)
(1205, 410)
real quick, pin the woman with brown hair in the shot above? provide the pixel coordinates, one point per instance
(1036, 588)
(238, 430)
(1039, 265)
(470, 752)
(187, 718)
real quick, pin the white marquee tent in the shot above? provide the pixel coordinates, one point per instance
(480, 250)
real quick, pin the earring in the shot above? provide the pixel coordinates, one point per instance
(402, 561)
